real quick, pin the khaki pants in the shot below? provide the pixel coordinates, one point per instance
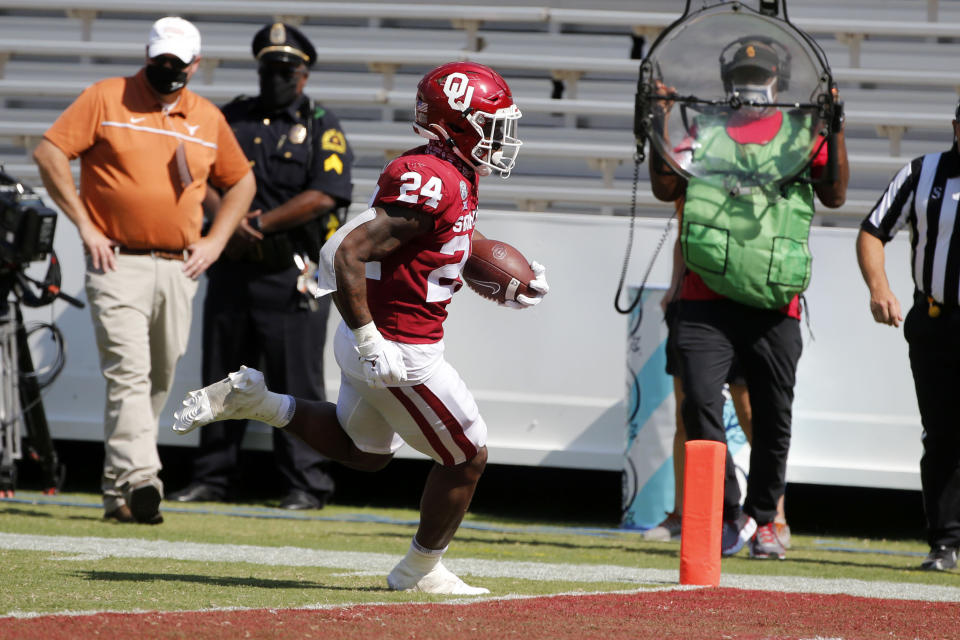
(141, 316)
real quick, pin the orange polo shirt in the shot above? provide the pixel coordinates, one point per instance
(131, 180)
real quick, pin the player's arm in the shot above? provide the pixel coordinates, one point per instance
(371, 241)
(375, 234)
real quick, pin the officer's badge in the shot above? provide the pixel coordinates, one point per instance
(298, 133)
(333, 140)
(278, 33)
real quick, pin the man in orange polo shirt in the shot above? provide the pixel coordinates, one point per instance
(147, 147)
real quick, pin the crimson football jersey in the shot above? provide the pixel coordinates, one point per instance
(408, 291)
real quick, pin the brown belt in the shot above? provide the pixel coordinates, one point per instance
(157, 253)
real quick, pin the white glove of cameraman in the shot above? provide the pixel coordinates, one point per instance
(538, 284)
(382, 361)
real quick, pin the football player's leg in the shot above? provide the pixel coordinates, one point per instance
(352, 432)
(241, 395)
(439, 418)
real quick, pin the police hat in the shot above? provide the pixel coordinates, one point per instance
(281, 42)
(754, 54)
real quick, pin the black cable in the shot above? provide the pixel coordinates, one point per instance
(60, 361)
(626, 257)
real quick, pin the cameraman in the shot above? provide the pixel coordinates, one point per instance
(147, 146)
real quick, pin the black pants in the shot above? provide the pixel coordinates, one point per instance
(257, 319)
(935, 361)
(711, 335)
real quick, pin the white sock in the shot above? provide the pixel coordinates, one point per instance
(276, 409)
(422, 559)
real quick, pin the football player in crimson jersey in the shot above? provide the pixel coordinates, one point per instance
(392, 270)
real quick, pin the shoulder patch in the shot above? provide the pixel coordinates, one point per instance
(333, 163)
(333, 140)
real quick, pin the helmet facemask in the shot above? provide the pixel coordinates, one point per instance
(499, 145)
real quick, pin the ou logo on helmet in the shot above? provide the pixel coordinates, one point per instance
(457, 85)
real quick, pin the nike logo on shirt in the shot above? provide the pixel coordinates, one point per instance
(136, 120)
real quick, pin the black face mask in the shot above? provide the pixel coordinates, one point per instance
(277, 90)
(164, 79)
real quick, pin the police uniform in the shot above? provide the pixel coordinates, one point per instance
(254, 313)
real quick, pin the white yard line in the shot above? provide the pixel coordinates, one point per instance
(85, 548)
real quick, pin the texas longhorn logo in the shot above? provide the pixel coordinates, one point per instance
(457, 85)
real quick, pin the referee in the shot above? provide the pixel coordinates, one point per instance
(925, 195)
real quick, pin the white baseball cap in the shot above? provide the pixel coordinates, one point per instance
(174, 36)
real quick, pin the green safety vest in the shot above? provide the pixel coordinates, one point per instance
(751, 245)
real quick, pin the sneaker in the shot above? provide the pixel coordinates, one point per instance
(766, 544)
(940, 558)
(667, 530)
(782, 530)
(736, 533)
(242, 394)
(437, 580)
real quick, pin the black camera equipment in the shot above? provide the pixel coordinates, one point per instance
(26, 235)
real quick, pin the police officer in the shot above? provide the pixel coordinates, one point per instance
(258, 308)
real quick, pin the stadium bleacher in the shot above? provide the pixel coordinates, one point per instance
(579, 151)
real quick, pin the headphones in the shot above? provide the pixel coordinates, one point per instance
(783, 61)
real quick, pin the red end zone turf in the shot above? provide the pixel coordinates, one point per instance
(693, 615)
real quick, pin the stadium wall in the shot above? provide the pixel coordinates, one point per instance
(551, 381)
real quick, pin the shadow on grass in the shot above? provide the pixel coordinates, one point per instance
(33, 513)
(215, 581)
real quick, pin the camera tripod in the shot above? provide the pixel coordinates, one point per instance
(22, 416)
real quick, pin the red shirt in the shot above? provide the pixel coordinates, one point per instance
(751, 131)
(409, 291)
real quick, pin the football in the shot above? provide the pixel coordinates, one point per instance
(497, 271)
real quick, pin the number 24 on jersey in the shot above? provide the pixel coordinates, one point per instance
(413, 187)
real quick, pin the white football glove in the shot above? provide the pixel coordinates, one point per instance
(382, 360)
(538, 284)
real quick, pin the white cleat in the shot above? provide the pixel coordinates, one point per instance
(437, 580)
(240, 395)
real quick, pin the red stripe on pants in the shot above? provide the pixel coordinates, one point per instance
(449, 421)
(424, 425)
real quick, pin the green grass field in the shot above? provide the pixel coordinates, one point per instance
(269, 560)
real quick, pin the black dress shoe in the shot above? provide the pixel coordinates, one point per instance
(940, 558)
(297, 500)
(144, 502)
(197, 493)
(120, 514)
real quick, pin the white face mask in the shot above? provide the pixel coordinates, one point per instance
(758, 94)
(756, 97)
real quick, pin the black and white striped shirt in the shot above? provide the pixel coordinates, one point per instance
(925, 195)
